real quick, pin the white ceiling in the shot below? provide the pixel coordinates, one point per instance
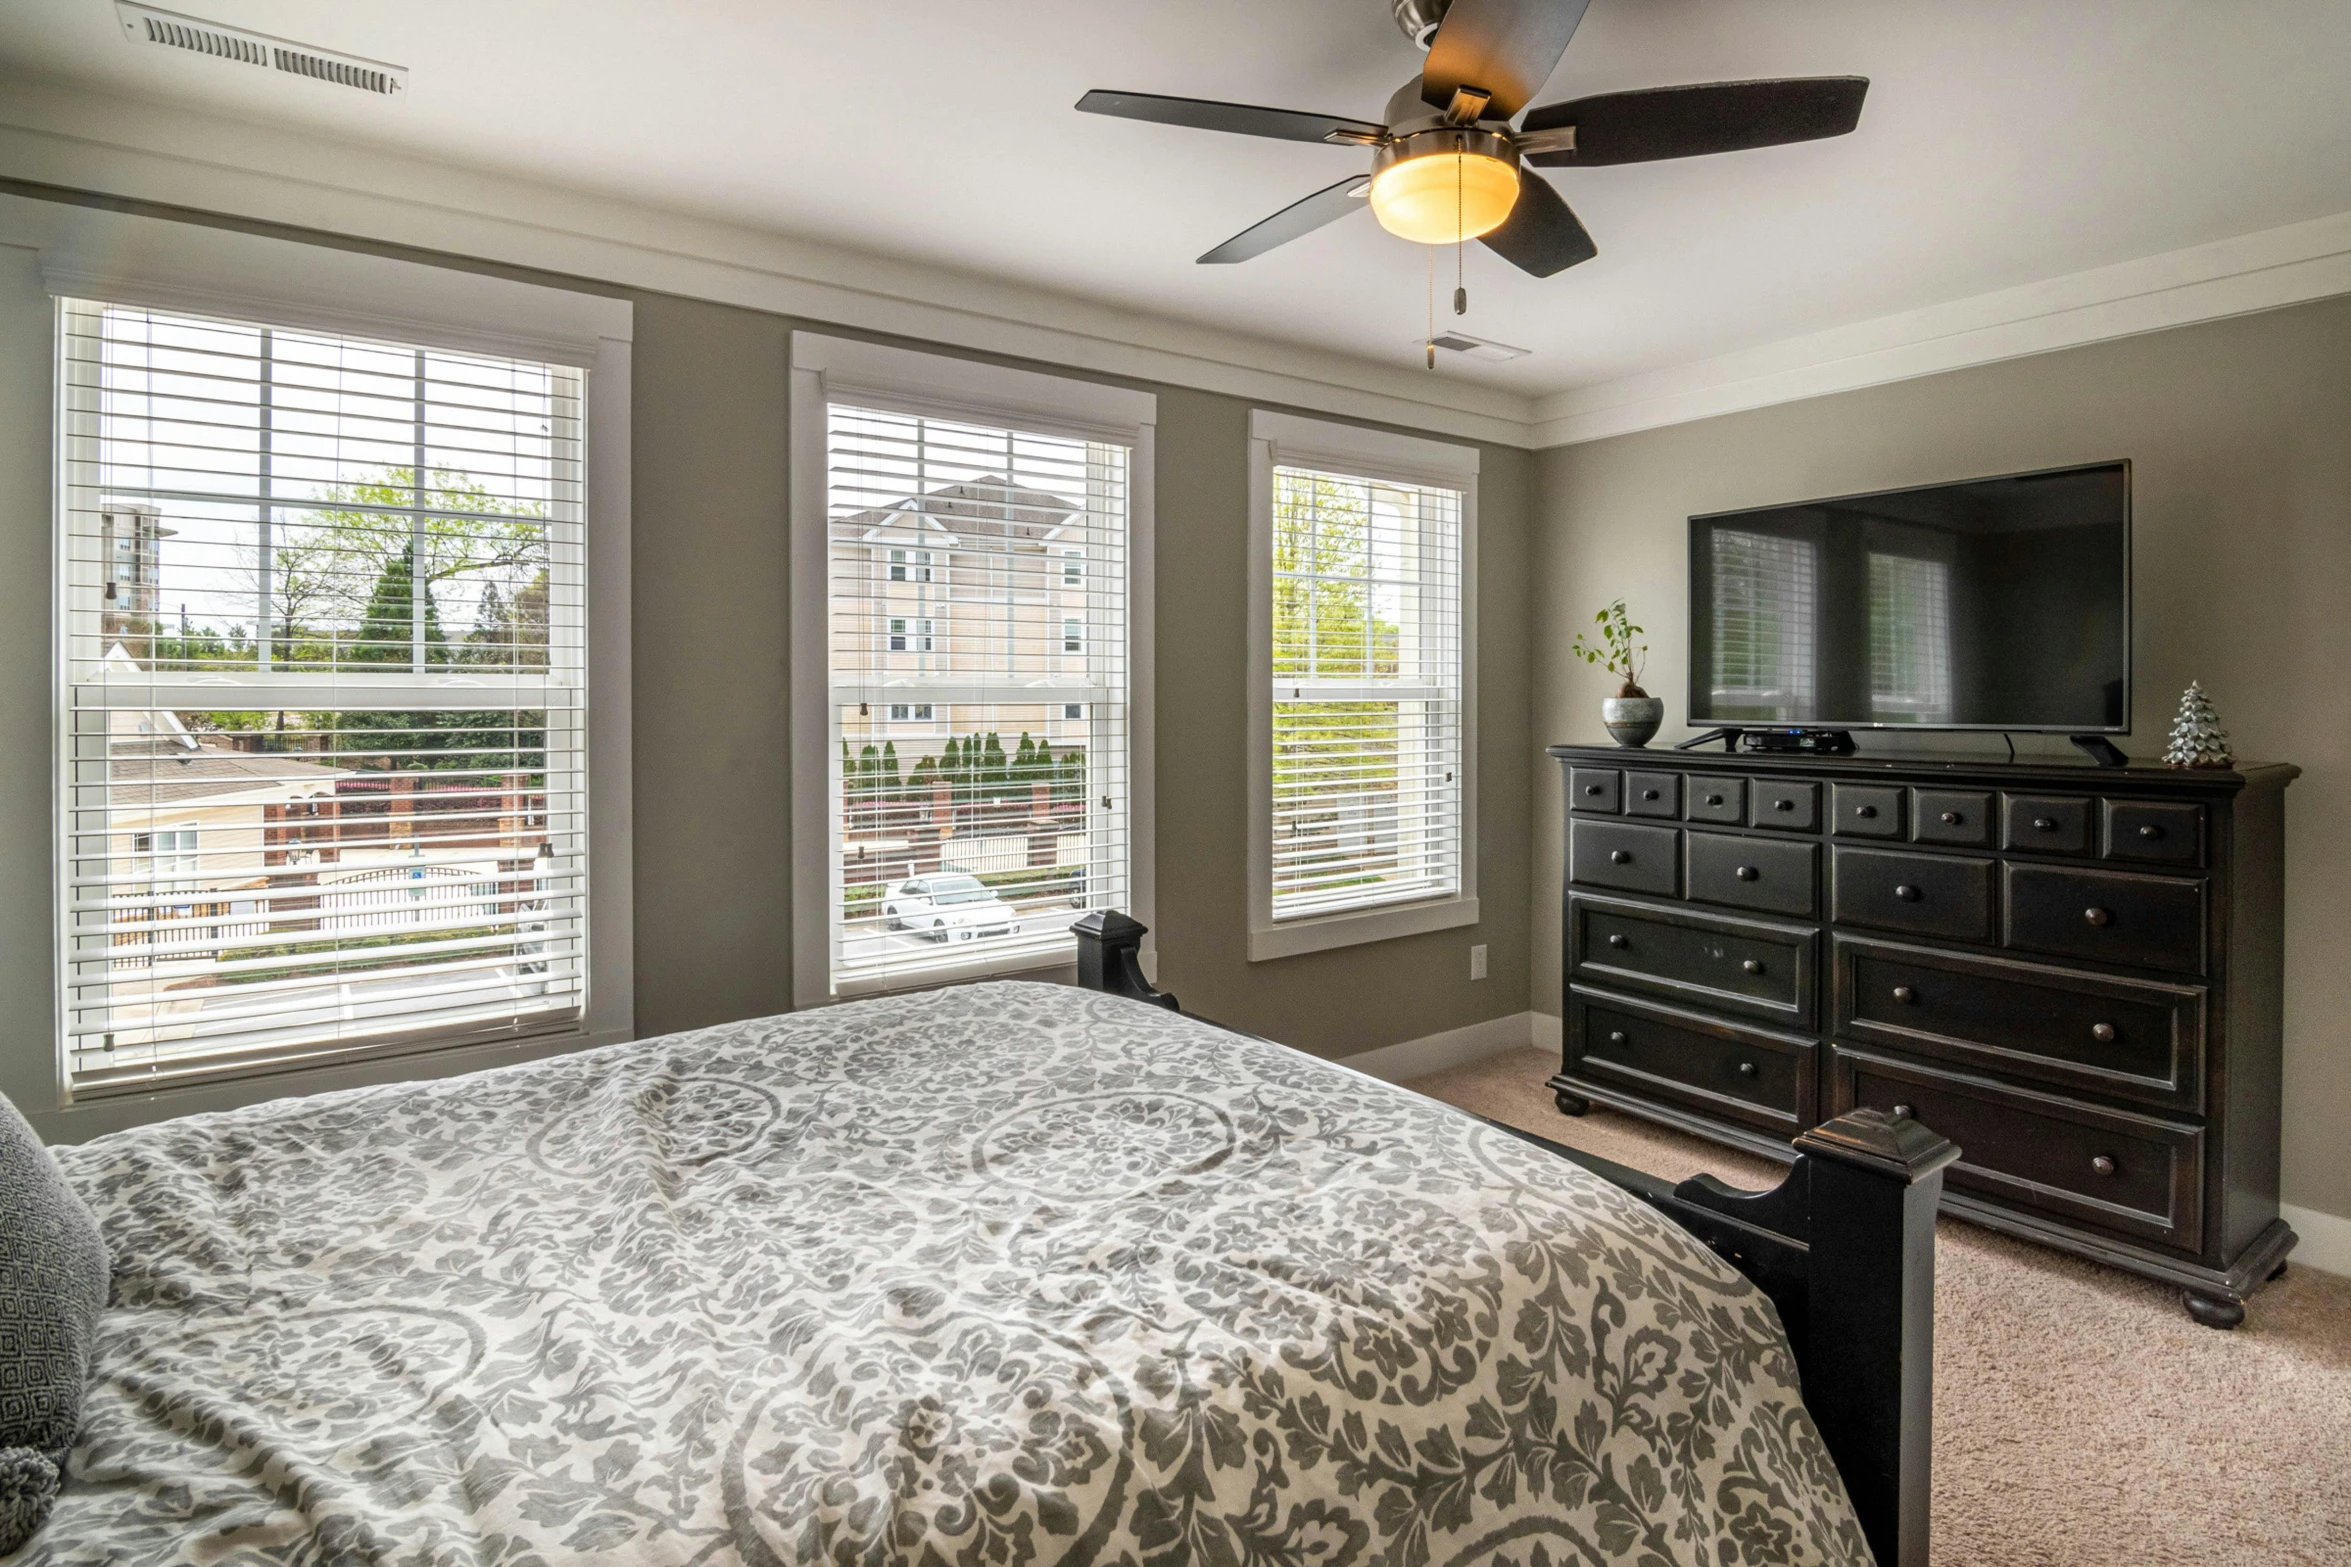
(2005, 142)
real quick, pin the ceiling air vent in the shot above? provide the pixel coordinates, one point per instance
(144, 24)
(1473, 347)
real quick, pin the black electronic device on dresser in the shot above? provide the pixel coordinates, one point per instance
(2074, 972)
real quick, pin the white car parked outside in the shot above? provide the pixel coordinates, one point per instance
(949, 907)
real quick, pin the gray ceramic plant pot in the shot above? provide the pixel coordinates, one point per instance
(1632, 720)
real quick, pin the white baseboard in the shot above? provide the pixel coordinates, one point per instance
(1550, 1032)
(1413, 1058)
(2326, 1239)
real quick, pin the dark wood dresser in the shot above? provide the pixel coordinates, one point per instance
(2073, 972)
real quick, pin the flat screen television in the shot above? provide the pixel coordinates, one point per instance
(1991, 604)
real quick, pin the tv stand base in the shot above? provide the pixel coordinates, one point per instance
(2102, 750)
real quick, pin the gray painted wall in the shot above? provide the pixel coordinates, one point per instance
(2240, 436)
(712, 767)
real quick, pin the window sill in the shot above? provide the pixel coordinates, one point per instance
(1348, 930)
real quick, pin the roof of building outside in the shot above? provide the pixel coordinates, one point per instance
(988, 507)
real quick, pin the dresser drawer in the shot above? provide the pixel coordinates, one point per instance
(1865, 811)
(1624, 856)
(1953, 816)
(1749, 967)
(1653, 794)
(2113, 1170)
(1751, 873)
(2152, 922)
(1922, 894)
(2046, 823)
(1784, 804)
(1716, 800)
(1720, 1069)
(1596, 789)
(2087, 1033)
(2161, 832)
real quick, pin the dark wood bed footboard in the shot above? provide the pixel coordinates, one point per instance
(1845, 1248)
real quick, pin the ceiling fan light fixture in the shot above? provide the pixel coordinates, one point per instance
(1442, 187)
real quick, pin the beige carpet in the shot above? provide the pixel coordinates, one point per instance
(2080, 1418)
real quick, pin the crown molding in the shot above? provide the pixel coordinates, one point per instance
(74, 139)
(2231, 277)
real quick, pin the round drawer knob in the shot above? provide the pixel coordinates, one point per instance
(2045, 823)
(1753, 965)
(1902, 1112)
(2150, 832)
(1620, 856)
(1950, 818)
(1620, 941)
(1746, 1069)
(1714, 799)
(1616, 1036)
(2096, 916)
(1648, 794)
(1783, 805)
(1906, 892)
(1591, 788)
(1746, 873)
(1904, 994)
(2103, 1165)
(2102, 1032)
(1865, 811)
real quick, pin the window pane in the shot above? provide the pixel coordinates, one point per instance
(325, 659)
(1366, 659)
(1006, 658)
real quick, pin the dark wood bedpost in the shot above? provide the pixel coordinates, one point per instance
(1869, 1349)
(1109, 957)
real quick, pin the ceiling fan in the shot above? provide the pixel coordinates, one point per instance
(1447, 164)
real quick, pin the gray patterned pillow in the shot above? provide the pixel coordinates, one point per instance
(53, 1277)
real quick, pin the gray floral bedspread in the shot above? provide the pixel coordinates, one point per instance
(1003, 1274)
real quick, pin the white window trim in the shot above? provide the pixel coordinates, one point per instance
(943, 386)
(127, 259)
(1279, 439)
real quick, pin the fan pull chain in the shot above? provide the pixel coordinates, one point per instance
(1460, 289)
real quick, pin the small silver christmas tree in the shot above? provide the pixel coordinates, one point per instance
(2197, 740)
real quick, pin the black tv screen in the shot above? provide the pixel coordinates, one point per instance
(1993, 604)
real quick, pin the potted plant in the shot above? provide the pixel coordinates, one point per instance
(1632, 715)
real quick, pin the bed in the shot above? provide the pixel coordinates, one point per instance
(1004, 1273)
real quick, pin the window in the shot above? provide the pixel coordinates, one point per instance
(1073, 568)
(916, 635)
(1766, 602)
(969, 849)
(325, 595)
(1360, 641)
(1909, 639)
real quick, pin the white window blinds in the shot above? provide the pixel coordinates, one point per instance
(978, 692)
(1367, 692)
(323, 761)
(1766, 603)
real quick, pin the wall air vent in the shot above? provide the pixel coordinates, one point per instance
(144, 24)
(1473, 347)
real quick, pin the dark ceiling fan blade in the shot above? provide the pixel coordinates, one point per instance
(1241, 119)
(1506, 49)
(1541, 235)
(1327, 205)
(1683, 122)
